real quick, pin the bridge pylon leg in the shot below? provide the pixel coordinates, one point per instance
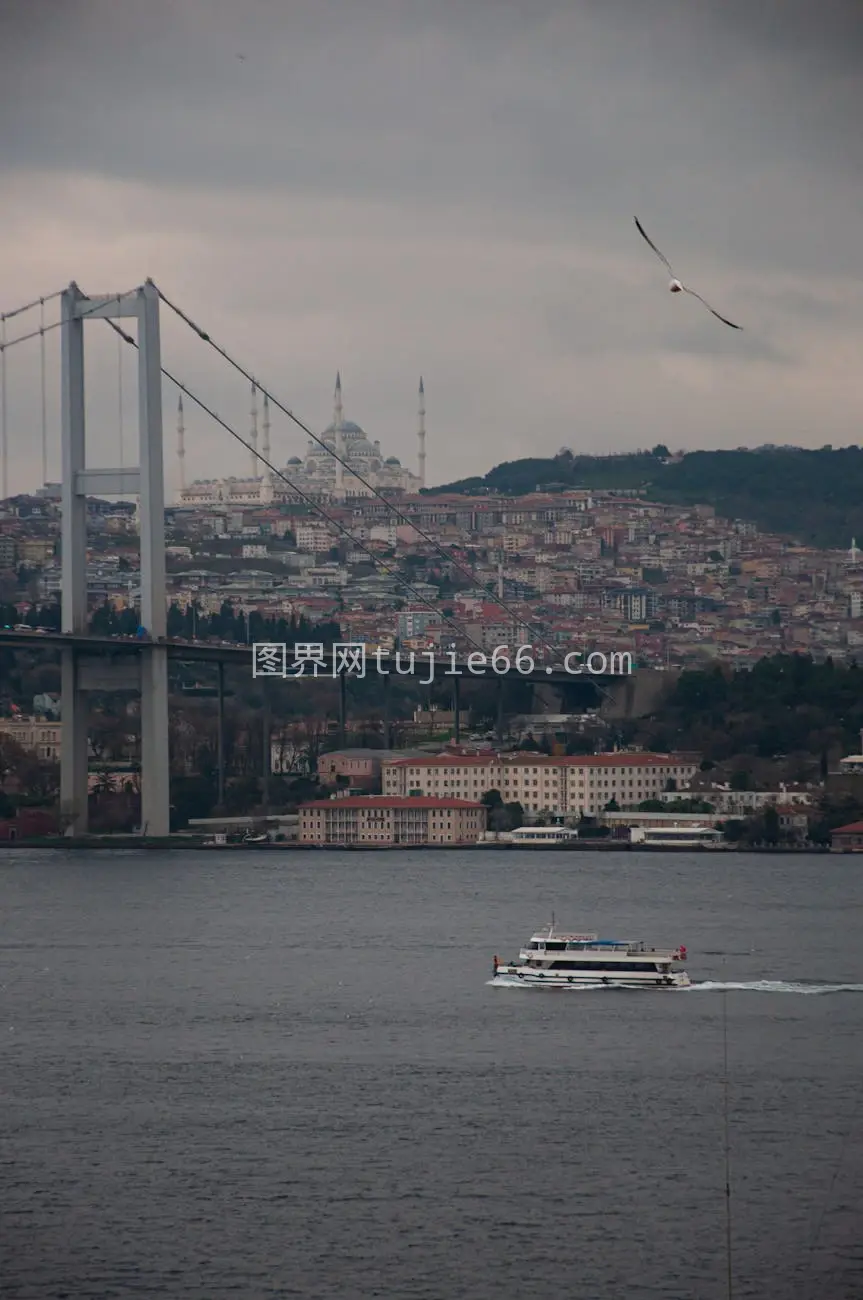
(155, 756)
(73, 748)
(147, 482)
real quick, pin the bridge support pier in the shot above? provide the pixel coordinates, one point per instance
(220, 738)
(343, 708)
(387, 730)
(267, 754)
(456, 708)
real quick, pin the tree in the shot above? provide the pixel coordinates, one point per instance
(104, 784)
(515, 815)
(770, 819)
(814, 496)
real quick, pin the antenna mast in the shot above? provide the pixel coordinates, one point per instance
(730, 1280)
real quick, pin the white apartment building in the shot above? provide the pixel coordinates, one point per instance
(579, 784)
(314, 539)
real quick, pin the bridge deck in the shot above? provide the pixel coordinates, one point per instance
(215, 652)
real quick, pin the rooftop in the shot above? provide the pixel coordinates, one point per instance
(390, 801)
(546, 760)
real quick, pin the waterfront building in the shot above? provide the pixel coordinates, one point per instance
(391, 819)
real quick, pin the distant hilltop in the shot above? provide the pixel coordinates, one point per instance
(816, 497)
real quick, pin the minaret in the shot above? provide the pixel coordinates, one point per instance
(267, 485)
(340, 437)
(181, 445)
(854, 551)
(253, 431)
(421, 434)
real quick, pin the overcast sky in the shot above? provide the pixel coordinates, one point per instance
(444, 187)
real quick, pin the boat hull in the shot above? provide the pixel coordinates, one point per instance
(519, 977)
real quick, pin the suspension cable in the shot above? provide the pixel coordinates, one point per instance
(335, 523)
(454, 564)
(43, 395)
(6, 344)
(28, 306)
(4, 430)
(120, 392)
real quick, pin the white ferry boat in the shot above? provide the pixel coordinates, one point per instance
(555, 960)
(542, 835)
(679, 837)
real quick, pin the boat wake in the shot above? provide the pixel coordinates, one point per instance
(707, 986)
(773, 986)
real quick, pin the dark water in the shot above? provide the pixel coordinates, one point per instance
(285, 1075)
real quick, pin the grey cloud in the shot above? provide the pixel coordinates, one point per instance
(394, 186)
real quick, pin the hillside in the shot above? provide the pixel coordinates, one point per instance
(813, 496)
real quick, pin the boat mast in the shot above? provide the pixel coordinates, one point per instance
(730, 1280)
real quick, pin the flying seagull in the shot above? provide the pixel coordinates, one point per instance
(677, 286)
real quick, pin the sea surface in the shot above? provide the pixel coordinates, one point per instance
(251, 1074)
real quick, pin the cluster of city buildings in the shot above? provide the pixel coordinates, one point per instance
(391, 797)
(587, 570)
(452, 795)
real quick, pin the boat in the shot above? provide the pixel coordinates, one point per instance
(542, 835)
(678, 837)
(554, 960)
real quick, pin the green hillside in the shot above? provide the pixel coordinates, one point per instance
(814, 496)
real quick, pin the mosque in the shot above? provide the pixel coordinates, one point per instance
(318, 475)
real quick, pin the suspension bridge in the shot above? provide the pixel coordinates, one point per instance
(90, 662)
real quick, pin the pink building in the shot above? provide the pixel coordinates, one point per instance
(391, 819)
(357, 768)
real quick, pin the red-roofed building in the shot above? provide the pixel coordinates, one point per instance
(391, 819)
(847, 839)
(30, 824)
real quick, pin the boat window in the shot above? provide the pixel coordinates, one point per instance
(610, 967)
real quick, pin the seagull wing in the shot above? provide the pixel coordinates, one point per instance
(661, 256)
(710, 309)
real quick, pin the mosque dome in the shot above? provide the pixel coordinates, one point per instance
(295, 460)
(348, 426)
(393, 460)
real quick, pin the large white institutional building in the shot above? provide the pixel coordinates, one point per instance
(318, 475)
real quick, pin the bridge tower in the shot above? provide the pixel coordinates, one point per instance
(83, 671)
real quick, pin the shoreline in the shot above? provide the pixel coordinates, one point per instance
(126, 842)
